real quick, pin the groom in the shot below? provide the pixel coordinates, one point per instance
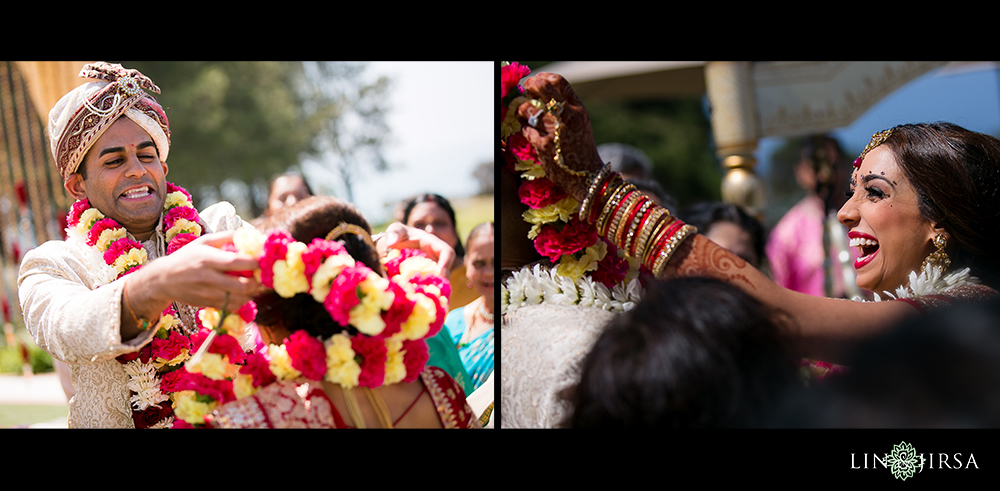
(110, 141)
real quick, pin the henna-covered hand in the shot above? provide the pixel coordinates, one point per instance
(576, 139)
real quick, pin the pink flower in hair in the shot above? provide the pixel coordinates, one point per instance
(373, 354)
(414, 359)
(275, 249)
(398, 313)
(343, 293)
(317, 252)
(308, 354)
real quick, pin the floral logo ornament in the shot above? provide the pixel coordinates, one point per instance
(903, 461)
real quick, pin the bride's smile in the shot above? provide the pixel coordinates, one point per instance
(885, 223)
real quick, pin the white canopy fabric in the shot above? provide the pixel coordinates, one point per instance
(790, 97)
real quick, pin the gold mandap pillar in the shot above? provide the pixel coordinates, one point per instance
(734, 125)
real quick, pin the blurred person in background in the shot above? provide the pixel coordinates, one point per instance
(471, 326)
(731, 227)
(433, 213)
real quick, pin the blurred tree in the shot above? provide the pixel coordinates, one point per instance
(674, 133)
(484, 176)
(236, 124)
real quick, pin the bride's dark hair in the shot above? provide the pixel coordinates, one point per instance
(306, 220)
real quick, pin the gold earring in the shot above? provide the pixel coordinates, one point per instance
(939, 257)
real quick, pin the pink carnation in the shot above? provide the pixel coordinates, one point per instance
(308, 354)
(539, 193)
(228, 346)
(220, 390)
(343, 293)
(392, 266)
(553, 242)
(119, 247)
(510, 75)
(171, 187)
(177, 213)
(171, 347)
(520, 148)
(415, 358)
(373, 355)
(441, 282)
(259, 370)
(275, 249)
(248, 312)
(180, 240)
(170, 381)
(100, 226)
(398, 312)
(317, 251)
(612, 269)
(73, 218)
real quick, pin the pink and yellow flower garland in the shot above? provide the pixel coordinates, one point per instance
(170, 347)
(557, 231)
(392, 318)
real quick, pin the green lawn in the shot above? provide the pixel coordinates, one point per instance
(24, 415)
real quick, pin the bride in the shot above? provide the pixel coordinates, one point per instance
(922, 212)
(345, 331)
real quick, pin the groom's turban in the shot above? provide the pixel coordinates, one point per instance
(86, 112)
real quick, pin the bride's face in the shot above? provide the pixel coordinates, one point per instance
(885, 223)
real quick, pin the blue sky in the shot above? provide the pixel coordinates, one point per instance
(442, 125)
(970, 99)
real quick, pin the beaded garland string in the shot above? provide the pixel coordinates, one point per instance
(170, 347)
(386, 321)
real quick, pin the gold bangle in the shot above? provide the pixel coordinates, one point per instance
(591, 189)
(636, 221)
(654, 218)
(672, 244)
(612, 203)
(141, 323)
(661, 227)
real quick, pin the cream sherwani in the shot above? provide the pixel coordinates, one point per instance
(72, 308)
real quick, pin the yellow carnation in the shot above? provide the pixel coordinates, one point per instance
(249, 241)
(563, 210)
(529, 170)
(326, 272)
(209, 317)
(176, 198)
(87, 220)
(290, 273)
(133, 257)
(243, 386)
(213, 366)
(180, 358)
(340, 365)
(183, 225)
(281, 364)
(108, 236)
(415, 265)
(234, 325)
(419, 322)
(188, 408)
(395, 370)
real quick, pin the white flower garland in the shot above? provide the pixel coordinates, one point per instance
(534, 285)
(929, 282)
